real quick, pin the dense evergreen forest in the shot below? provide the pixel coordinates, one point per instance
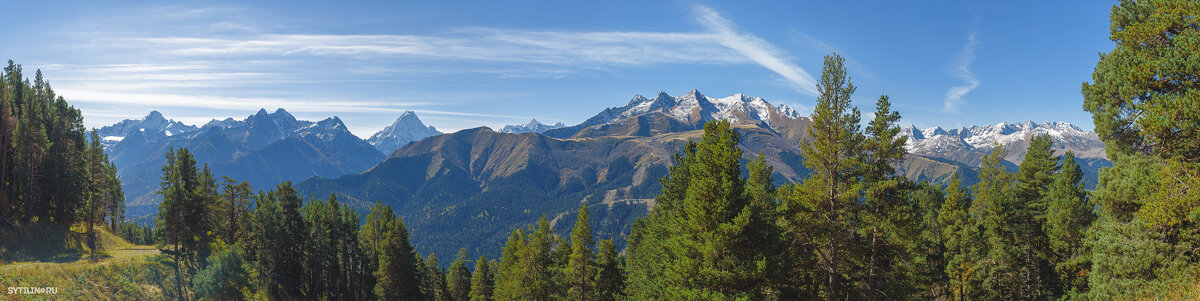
(53, 172)
(851, 230)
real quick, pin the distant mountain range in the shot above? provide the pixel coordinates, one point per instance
(263, 149)
(471, 188)
(152, 125)
(533, 126)
(968, 145)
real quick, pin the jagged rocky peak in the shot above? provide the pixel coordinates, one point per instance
(281, 119)
(694, 109)
(327, 128)
(695, 104)
(154, 116)
(332, 123)
(152, 126)
(225, 123)
(533, 126)
(912, 133)
(1014, 136)
(407, 128)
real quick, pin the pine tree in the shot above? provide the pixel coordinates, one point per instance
(822, 207)
(1143, 101)
(385, 238)
(481, 281)
(236, 202)
(1030, 184)
(7, 124)
(580, 267)
(1068, 215)
(97, 178)
(458, 278)
(699, 242)
(509, 275)
(889, 222)
(964, 246)
(1005, 266)
(609, 279)
(323, 269)
(539, 265)
(180, 183)
(929, 249)
(115, 196)
(435, 280)
(279, 238)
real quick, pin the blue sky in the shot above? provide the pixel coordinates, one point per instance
(463, 64)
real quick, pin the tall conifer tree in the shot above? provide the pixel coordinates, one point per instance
(481, 281)
(458, 278)
(580, 266)
(699, 242)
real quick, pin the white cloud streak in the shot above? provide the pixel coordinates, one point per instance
(158, 100)
(230, 69)
(756, 49)
(962, 71)
(482, 44)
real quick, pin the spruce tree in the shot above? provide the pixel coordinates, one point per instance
(481, 281)
(539, 265)
(435, 280)
(294, 233)
(385, 238)
(458, 278)
(963, 244)
(510, 284)
(580, 266)
(1068, 215)
(1005, 267)
(279, 239)
(609, 279)
(1030, 185)
(699, 242)
(928, 247)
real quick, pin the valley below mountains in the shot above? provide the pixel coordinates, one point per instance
(471, 188)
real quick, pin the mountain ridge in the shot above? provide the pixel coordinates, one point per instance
(533, 126)
(262, 149)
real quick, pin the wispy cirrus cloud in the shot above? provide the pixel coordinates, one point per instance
(962, 71)
(239, 103)
(230, 59)
(721, 43)
(756, 49)
(481, 44)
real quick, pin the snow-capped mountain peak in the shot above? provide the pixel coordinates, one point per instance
(695, 108)
(152, 126)
(1014, 137)
(407, 128)
(533, 126)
